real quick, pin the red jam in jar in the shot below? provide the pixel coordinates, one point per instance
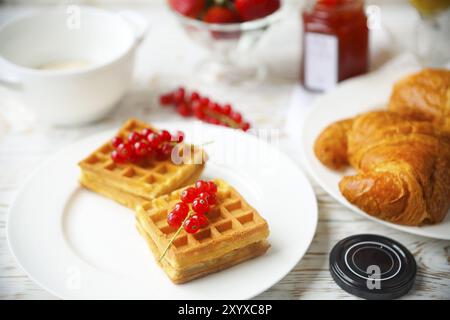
(335, 42)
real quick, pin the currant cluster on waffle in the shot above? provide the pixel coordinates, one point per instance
(201, 198)
(145, 145)
(204, 109)
(132, 183)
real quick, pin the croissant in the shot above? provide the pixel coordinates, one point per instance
(331, 145)
(424, 95)
(403, 168)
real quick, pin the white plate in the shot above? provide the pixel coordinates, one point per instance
(79, 245)
(347, 100)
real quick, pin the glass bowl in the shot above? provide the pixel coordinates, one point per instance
(229, 46)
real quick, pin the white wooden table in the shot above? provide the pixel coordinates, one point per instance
(22, 150)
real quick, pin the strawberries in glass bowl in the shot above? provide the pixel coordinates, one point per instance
(229, 30)
(225, 11)
(188, 8)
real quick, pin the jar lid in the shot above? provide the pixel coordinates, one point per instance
(372, 267)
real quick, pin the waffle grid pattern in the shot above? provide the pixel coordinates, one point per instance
(232, 215)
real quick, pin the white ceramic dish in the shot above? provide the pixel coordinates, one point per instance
(70, 66)
(348, 99)
(79, 245)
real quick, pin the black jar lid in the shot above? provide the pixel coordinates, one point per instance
(372, 267)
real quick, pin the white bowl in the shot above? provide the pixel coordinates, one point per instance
(70, 66)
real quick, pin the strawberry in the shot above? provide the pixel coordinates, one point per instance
(189, 8)
(329, 2)
(255, 9)
(218, 14)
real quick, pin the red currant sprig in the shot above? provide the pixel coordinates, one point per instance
(204, 109)
(144, 146)
(200, 198)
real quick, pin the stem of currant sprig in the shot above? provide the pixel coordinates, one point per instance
(225, 119)
(175, 236)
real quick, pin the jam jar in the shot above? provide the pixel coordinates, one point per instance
(335, 42)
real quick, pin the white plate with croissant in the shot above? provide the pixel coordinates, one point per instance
(380, 145)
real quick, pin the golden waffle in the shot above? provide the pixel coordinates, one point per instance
(236, 232)
(131, 184)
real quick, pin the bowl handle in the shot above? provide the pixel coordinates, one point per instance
(137, 22)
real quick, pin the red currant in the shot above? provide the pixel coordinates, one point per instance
(116, 141)
(200, 205)
(210, 198)
(181, 208)
(145, 132)
(125, 150)
(174, 220)
(183, 109)
(164, 152)
(178, 95)
(201, 218)
(134, 137)
(215, 107)
(199, 114)
(191, 225)
(154, 140)
(150, 152)
(204, 101)
(245, 126)
(165, 135)
(236, 116)
(188, 195)
(226, 110)
(204, 195)
(179, 136)
(197, 106)
(202, 186)
(212, 187)
(141, 148)
(116, 157)
(166, 99)
(195, 96)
